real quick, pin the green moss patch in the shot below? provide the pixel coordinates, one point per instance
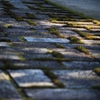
(57, 54)
(54, 31)
(54, 79)
(74, 39)
(59, 45)
(22, 39)
(8, 25)
(86, 35)
(82, 49)
(30, 22)
(96, 22)
(6, 3)
(97, 71)
(31, 16)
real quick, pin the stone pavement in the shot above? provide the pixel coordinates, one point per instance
(47, 53)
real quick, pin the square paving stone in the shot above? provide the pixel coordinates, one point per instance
(33, 50)
(77, 78)
(51, 40)
(37, 64)
(73, 54)
(32, 44)
(63, 94)
(3, 44)
(28, 78)
(7, 91)
(9, 56)
(38, 56)
(90, 42)
(81, 65)
(95, 53)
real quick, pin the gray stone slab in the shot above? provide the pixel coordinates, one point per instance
(88, 46)
(63, 94)
(81, 65)
(32, 44)
(32, 50)
(48, 5)
(73, 54)
(95, 30)
(18, 4)
(78, 78)
(95, 53)
(37, 64)
(7, 91)
(38, 56)
(51, 40)
(67, 33)
(41, 16)
(91, 41)
(30, 77)
(19, 32)
(3, 44)
(9, 56)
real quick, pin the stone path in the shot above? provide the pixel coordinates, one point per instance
(47, 53)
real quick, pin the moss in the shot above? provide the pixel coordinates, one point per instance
(10, 44)
(96, 22)
(73, 25)
(88, 28)
(18, 18)
(57, 54)
(6, 3)
(85, 35)
(51, 59)
(53, 20)
(33, 30)
(21, 57)
(42, 9)
(59, 45)
(50, 74)
(74, 39)
(58, 83)
(31, 16)
(30, 22)
(9, 12)
(53, 30)
(97, 71)
(8, 25)
(23, 39)
(82, 49)
(54, 79)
